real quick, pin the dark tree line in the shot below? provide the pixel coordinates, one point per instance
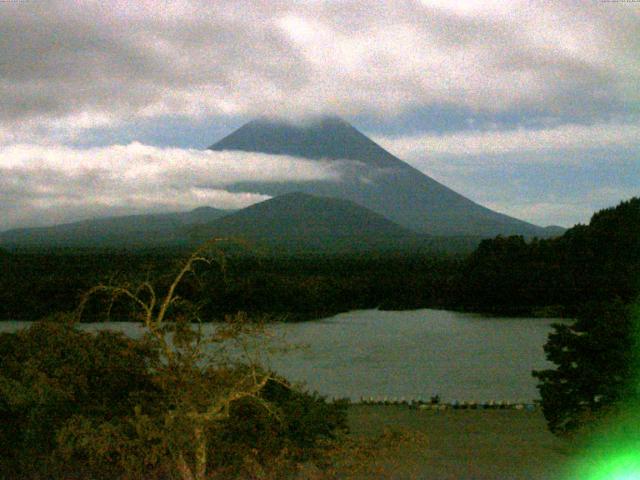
(293, 288)
(598, 262)
(591, 274)
(505, 275)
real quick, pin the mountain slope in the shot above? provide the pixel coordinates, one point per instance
(303, 222)
(373, 178)
(125, 231)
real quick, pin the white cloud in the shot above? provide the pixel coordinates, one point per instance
(102, 63)
(50, 184)
(476, 143)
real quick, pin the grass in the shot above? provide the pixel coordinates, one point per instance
(468, 444)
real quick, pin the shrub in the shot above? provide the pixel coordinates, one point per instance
(52, 372)
(296, 422)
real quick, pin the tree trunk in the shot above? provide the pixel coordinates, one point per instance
(200, 452)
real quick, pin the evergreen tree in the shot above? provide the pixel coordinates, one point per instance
(596, 366)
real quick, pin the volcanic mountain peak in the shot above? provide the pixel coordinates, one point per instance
(323, 137)
(376, 180)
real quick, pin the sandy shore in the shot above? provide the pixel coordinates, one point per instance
(469, 444)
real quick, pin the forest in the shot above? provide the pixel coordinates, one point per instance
(504, 275)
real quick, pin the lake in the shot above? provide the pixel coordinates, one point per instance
(412, 354)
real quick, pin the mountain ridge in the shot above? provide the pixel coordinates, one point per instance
(113, 231)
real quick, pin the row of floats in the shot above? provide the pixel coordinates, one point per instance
(436, 404)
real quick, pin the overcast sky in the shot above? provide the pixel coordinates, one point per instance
(531, 107)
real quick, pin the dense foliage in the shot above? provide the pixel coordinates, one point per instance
(33, 285)
(178, 403)
(589, 263)
(80, 405)
(286, 287)
(595, 360)
(596, 357)
(52, 373)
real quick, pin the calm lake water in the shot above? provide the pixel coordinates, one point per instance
(411, 354)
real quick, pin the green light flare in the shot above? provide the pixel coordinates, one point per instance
(612, 451)
(623, 465)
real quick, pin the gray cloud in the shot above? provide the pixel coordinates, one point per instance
(48, 184)
(493, 142)
(67, 66)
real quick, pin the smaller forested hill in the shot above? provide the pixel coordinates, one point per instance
(589, 263)
(298, 221)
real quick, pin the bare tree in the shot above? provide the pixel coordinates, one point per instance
(200, 375)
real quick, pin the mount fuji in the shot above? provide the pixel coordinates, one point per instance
(371, 177)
